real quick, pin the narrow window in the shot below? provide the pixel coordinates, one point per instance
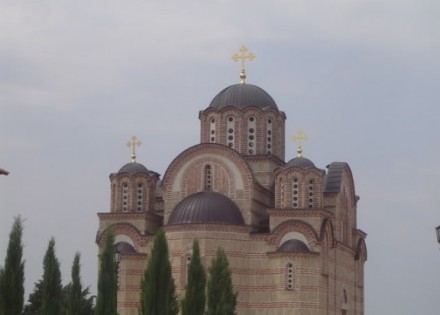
(212, 130)
(113, 206)
(289, 277)
(282, 193)
(124, 197)
(269, 136)
(311, 188)
(251, 135)
(187, 263)
(295, 193)
(208, 177)
(230, 132)
(140, 197)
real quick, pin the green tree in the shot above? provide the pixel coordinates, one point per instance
(158, 295)
(195, 295)
(2, 310)
(12, 275)
(35, 300)
(221, 298)
(75, 288)
(107, 280)
(86, 301)
(52, 294)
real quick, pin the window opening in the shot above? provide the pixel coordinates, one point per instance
(289, 276)
(295, 193)
(208, 177)
(251, 135)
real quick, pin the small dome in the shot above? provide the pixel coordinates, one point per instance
(206, 207)
(242, 96)
(300, 162)
(124, 248)
(294, 246)
(133, 168)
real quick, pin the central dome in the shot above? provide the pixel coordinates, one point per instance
(242, 96)
(206, 207)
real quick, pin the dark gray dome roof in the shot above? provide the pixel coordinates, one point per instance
(300, 162)
(242, 96)
(124, 248)
(206, 207)
(133, 168)
(294, 246)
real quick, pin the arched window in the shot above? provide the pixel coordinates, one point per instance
(290, 276)
(208, 177)
(230, 132)
(295, 194)
(269, 136)
(140, 197)
(211, 129)
(124, 197)
(252, 124)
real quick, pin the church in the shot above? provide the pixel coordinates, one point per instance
(288, 226)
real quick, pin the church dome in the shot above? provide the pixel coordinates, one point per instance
(300, 162)
(242, 96)
(133, 168)
(294, 246)
(206, 207)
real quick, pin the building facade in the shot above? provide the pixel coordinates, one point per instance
(289, 228)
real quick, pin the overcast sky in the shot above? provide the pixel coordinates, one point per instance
(361, 78)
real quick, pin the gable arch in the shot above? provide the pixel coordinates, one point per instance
(179, 167)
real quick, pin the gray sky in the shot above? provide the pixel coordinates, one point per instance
(362, 78)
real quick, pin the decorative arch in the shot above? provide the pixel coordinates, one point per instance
(361, 250)
(124, 230)
(294, 226)
(326, 235)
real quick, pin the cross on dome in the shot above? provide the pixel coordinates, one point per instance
(133, 143)
(244, 55)
(299, 136)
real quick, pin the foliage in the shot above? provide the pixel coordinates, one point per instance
(195, 296)
(52, 288)
(75, 288)
(35, 300)
(221, 298)
(107, 280)
(76, 299)
(86, 301)
(12, 275)
(158, 295)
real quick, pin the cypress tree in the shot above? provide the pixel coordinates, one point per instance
(74, 299)
(2, 310)
(12, 275)
(221, 298)
(106, 302)
(52, 288)
(158, 295)
(195, 296)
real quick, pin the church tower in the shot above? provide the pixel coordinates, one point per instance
(289, 228)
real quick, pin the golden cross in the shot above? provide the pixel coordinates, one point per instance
(133, 143)
(243, 56)
(299, 136)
